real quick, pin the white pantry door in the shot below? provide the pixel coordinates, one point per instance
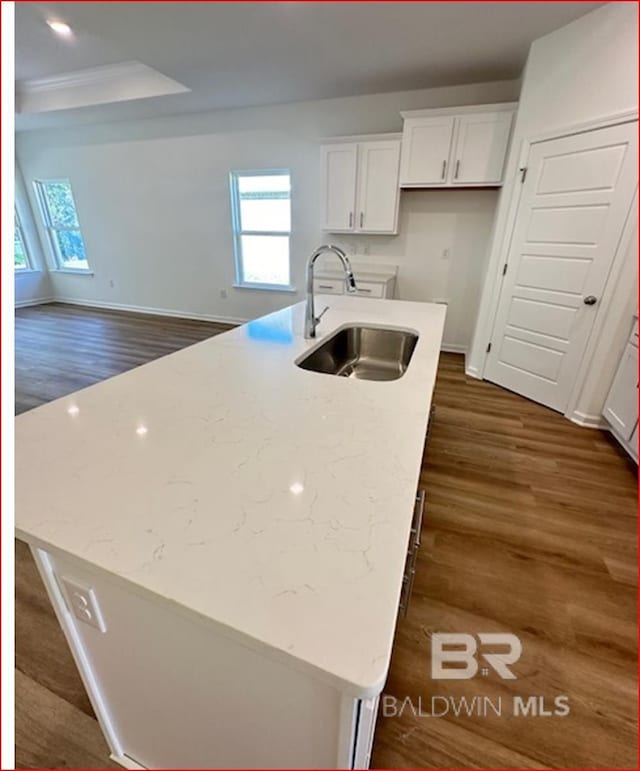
(574, 203)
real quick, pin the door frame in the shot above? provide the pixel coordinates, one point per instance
(627, 116)
(615, 271)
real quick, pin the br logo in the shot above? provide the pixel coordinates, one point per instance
(455, 656)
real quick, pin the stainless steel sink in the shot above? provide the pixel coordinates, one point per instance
(366, 353)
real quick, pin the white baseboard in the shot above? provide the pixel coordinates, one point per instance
(151, 311)
(472, 371)
(34, 301)
(126, 762)
(587, 421)
(453, 348)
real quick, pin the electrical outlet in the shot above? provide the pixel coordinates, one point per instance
(81, 601)
(223, 294)
(446, 254)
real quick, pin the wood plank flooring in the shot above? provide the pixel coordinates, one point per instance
(530, 528)
(62, 348)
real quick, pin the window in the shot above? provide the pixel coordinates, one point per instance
(261, 207)
(21, 259)
(61, 221)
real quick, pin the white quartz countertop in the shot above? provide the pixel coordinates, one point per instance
(274, 502)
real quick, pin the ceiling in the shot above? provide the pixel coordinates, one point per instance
(233, 54)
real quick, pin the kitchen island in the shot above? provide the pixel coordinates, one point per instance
(224, 536)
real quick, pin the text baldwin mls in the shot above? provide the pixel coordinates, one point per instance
(480, 706)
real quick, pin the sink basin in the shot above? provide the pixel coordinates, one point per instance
(366, 353)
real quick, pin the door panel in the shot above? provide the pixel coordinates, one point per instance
(538, 271)
(566, 224)
(339, 186)
(573, 206)
(378, 192)
(594, 169)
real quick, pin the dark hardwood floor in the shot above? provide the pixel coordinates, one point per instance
(530, 528)
(62, 348)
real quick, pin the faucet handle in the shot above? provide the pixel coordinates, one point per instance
(325, 309)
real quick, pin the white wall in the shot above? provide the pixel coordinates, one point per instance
(582, 72)
(153, 203)
(34, 285)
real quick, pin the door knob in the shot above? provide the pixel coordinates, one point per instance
(590, 300)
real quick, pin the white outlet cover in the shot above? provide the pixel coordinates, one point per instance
(81, 601)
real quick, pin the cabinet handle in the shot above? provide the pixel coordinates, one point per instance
(364, 291)
(361, 218)
(325, 286)
(416, 530)
(444, 168)
(455, 175)
(350, 219)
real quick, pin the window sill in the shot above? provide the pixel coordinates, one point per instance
(26, 272)
(70, 272)
(267, 287)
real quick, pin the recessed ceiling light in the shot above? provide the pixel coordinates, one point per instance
(60, 28)
(141, 430)
(296, 488)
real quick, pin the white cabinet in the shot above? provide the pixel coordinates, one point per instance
(372, 280)
(480, 148)
(426, 148)
(463, 147)
(339, 163)
(621, 405)
(360, 185)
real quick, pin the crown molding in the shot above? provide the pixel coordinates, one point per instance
(89, 76)
(94, 85)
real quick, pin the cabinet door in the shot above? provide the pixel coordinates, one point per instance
(426, 146)
(339, 163)
(621, 406)
(378, 191)
(481, 147)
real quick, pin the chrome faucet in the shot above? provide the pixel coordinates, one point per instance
(310, 318)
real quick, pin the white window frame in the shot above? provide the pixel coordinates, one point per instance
(234, 176)
(50, 228)
(18, 226)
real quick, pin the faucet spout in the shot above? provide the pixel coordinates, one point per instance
(310, 319)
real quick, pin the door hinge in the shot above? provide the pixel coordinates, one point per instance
(523, 173)
(504, 270)
(489, 348)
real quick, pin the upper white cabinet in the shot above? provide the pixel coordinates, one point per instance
(360, 185)
(426, 147)
(463, 147)
(339, 164)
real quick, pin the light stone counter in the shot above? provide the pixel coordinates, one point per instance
(274, 502)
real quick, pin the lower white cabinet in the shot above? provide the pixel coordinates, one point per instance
(377, 281)
(621, 405)
(172, 690)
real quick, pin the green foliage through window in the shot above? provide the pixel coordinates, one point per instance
(61, 220)
(20, 257)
